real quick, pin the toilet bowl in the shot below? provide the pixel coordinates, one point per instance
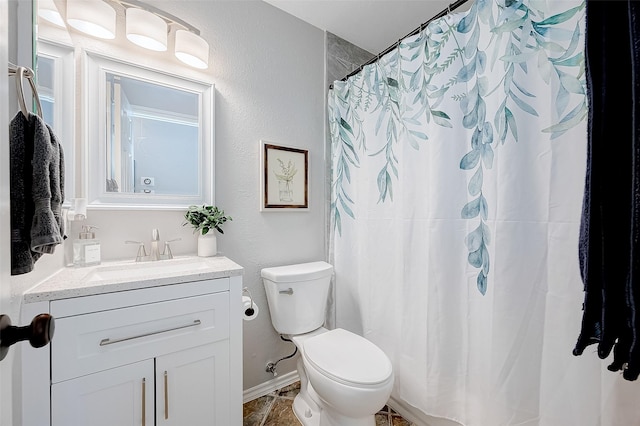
(344, 378)
(351, 376)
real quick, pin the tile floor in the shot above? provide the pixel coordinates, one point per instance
(275, 409)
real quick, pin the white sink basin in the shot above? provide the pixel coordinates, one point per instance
(142, 270)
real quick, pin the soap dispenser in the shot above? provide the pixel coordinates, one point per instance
(86, 249)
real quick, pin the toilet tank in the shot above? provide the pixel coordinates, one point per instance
(297, 296)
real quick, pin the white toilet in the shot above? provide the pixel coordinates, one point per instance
(344, 378)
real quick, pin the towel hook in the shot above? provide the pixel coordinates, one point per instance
(27, 73)
(20, 89)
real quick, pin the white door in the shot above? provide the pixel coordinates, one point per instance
(121, 396)
(7, 306)
(192, 386)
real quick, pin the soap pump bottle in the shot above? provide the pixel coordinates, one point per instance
(86, 249)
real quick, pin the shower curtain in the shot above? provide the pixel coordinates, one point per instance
(458, 164)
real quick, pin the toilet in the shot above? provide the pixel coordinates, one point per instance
(344, 378)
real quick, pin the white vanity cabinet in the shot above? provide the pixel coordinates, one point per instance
(160, 355)
(191, 388)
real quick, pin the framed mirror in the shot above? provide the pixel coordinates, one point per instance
(154, 135)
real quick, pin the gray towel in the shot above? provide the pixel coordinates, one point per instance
(37, 191)
(47, 189)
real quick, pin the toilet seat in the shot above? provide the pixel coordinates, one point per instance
(347, 358)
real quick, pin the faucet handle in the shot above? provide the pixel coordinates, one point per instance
(142, 252)
(155, 234)
(166, 252)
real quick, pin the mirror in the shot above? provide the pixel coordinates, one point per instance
(156, 136)
(156, 123)
(142, 135)
(55, 78)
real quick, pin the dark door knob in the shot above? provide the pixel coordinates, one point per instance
(38, 333)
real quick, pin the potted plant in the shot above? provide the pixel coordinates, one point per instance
(204, 220)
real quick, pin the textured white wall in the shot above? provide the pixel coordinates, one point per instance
(269, 74)
(268, 69)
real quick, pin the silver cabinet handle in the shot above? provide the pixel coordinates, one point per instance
(288, 291)
(108, 341)
(166, 396)
(144, 402)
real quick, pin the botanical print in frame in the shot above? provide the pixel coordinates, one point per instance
(285, 177)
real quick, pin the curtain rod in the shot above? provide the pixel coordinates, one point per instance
(456, 4)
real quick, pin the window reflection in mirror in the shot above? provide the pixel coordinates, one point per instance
(153, 143)
(55, 83)
(46, 90)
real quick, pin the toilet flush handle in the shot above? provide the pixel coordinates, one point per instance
(288, 291)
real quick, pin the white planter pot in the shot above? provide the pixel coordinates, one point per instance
(207, 244)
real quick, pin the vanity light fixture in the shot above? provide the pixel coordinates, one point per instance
(146, 29)
(47, 10)
(93, 17)
(147, 26)
(192, 49)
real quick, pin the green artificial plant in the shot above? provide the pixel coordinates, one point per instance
(204, 218)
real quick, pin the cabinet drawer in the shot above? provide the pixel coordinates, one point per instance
(98, 341)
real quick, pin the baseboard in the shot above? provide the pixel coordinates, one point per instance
(417, 417)
(270, 386)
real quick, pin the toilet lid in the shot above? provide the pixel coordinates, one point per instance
(347, 357)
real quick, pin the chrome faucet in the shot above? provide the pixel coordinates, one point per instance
(142, 252)
(155, 254)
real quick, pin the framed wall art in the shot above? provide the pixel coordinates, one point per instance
(284, 178)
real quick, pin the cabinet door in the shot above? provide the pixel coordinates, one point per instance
(192, 386)
(121, 396)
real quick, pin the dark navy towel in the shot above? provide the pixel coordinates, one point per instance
(610, 226)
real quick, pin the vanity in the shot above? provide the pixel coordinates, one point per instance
(154, 343)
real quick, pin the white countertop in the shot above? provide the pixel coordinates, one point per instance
(110, 277)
